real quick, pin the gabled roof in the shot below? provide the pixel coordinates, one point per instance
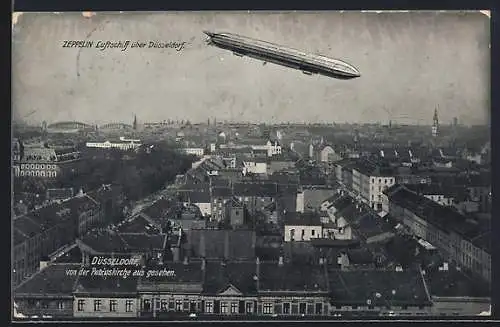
(230, 277)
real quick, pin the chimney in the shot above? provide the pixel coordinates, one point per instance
(175, 252)
(257, 272)
(226, 244)
(44, 264)
(202, 244)
(203, 264)
(203, 269)
(280, 261)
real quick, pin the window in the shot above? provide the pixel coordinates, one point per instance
(223, 307)
(178, 305)
(97, 305)
(249, 307)
(164, 305)
(319, 308)
(128, 305)
(81, 305)
(60, 305)
(302, 308)
(312, 232)
(286, 308)
(268, 308)
(234, 307)
(112, 305)
(209, 307)
(147, 305)
(236, 212)
(354, 307)
(185, 306)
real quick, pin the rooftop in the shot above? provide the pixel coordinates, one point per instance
(292, 278)
(221, 275)
(259, 189)
(51, 281)
(444, 218)
(302, 219)
(378, 287)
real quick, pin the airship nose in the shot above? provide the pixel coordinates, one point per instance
(354, 72)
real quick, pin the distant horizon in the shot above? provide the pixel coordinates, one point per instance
(394, 123)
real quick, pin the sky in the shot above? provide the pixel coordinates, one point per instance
(410, 64)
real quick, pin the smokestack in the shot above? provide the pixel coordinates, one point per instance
(203, 264)
(175, 252)
(202, 244)
(257, 272)
(226, 244)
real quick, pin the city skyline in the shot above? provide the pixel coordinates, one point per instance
(200, 82)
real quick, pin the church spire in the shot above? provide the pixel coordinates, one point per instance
(435, 124)
(134, 125)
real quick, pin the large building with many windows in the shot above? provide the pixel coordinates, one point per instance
(461, 239)
(43, 161)
(232, 288)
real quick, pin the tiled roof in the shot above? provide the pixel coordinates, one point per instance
(292, 277)
(360, 256)
(159, 209)
(219, 276)
(195, 197)
(189, 272)
(240, 243)
(302, 219)
(25, 227)
(105, 242)
(222, 192)
(453, 283)
(143, 241)
(379, 287)
(444, 218)
(137, 225)
(106, 285)
(51, 281)
(264, 189)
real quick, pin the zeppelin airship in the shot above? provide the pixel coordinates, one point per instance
(284, 56)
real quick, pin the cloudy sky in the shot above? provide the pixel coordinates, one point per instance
(410, 63)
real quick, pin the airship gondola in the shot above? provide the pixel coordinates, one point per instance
(281, 55)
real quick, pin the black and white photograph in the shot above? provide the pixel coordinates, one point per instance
(250, 165)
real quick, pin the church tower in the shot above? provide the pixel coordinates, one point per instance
(435, 124)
